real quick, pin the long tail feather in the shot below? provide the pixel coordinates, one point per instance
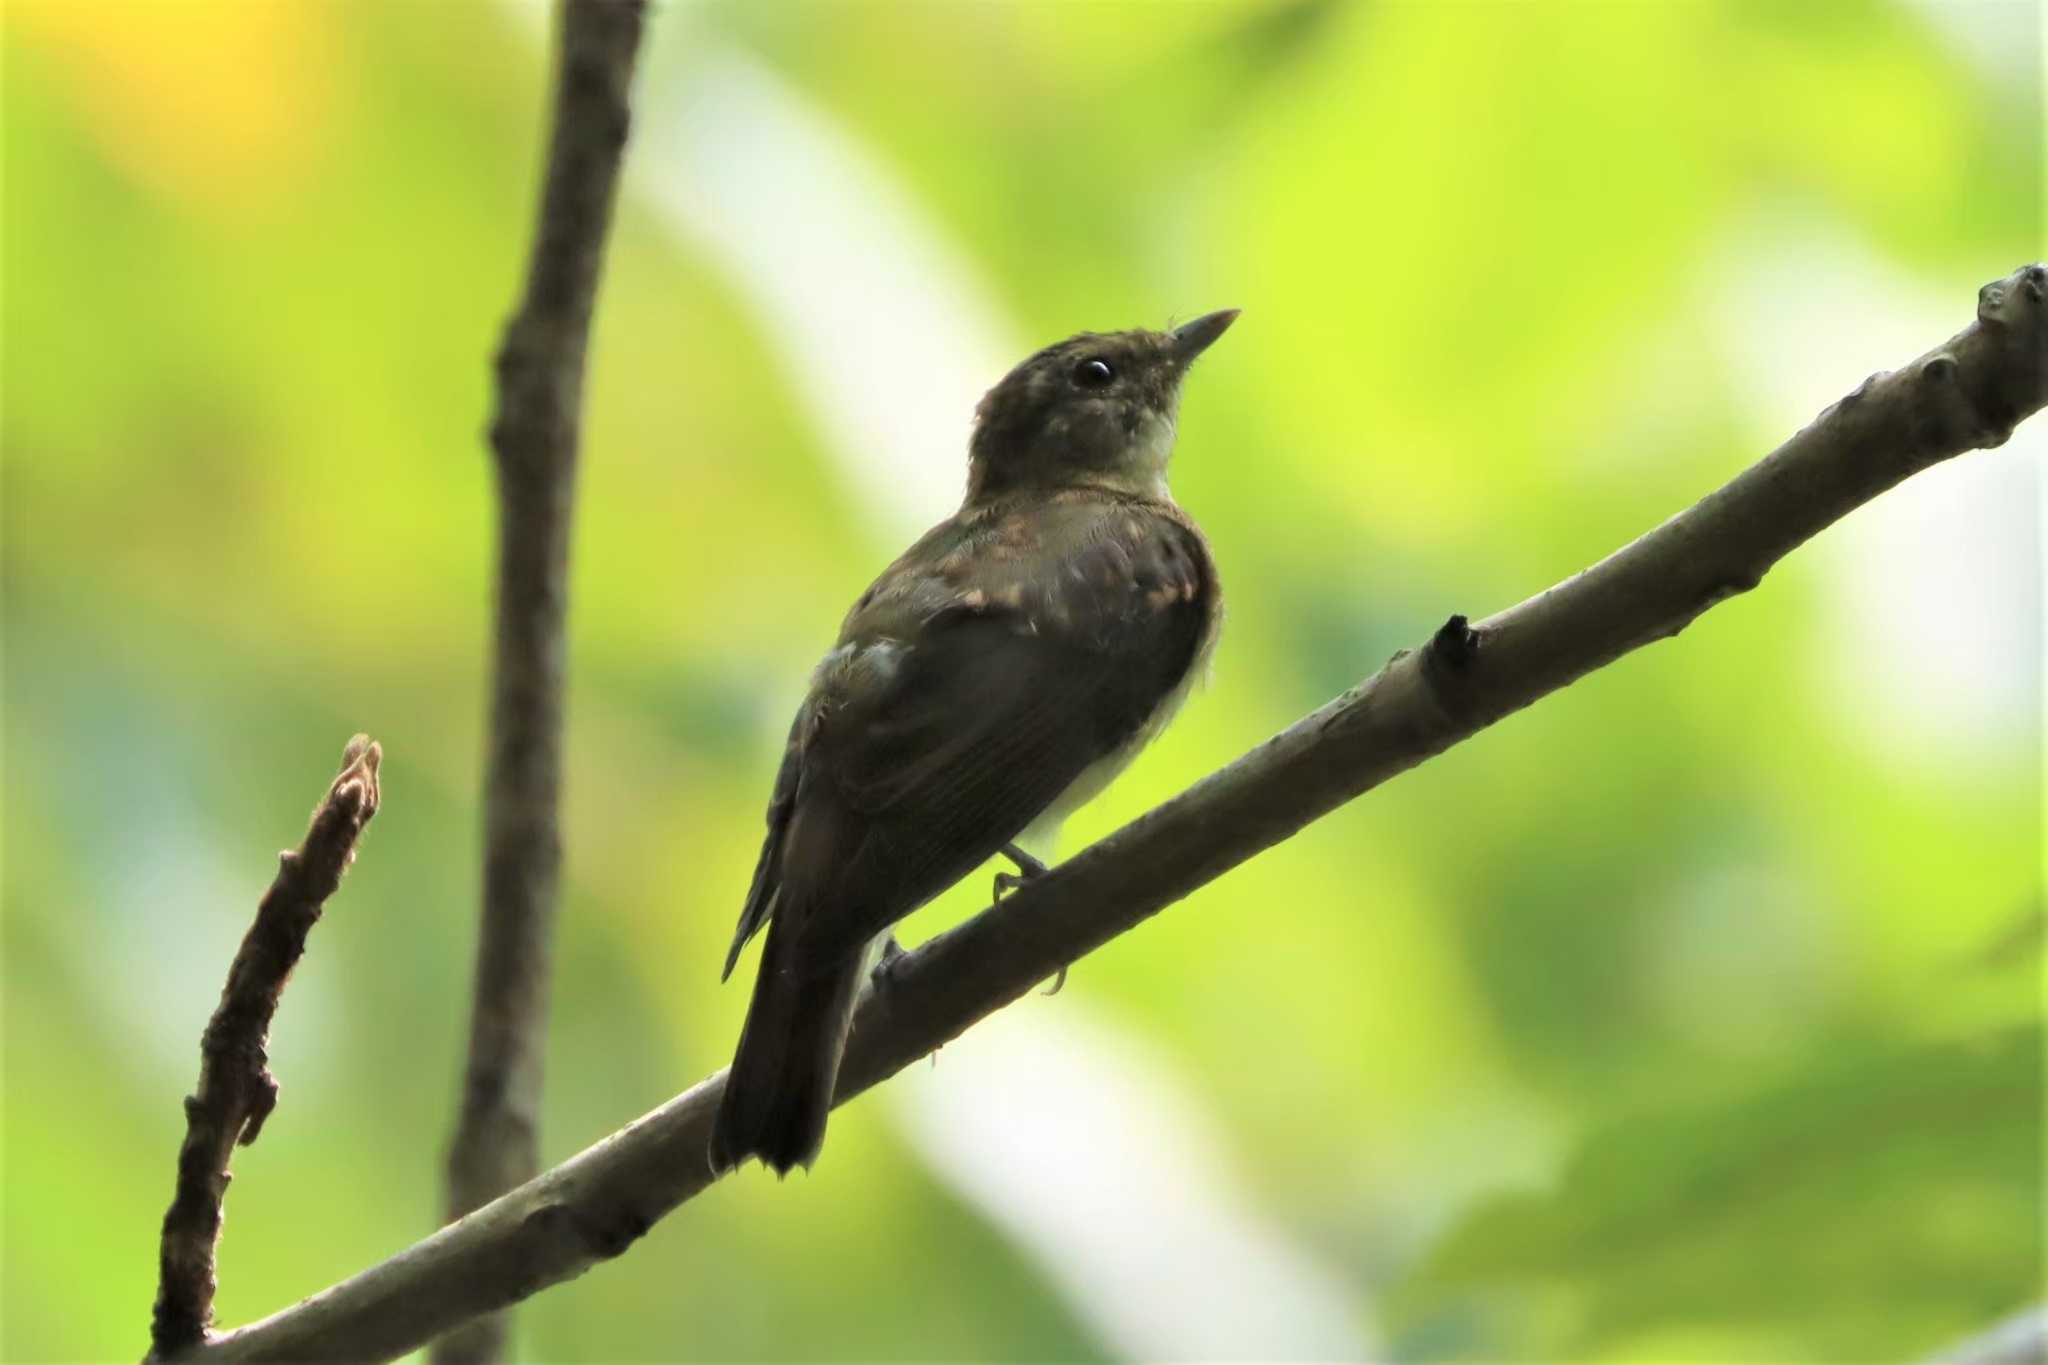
(780, 1087)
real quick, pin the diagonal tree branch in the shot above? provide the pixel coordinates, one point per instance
(1967, 393)
(534, 437)
(236, 1090)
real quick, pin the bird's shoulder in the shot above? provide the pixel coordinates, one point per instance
(1086, 567)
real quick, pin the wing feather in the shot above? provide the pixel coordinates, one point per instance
(970, 689)
(767, 883)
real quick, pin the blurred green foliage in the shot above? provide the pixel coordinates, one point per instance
(1692, 1015)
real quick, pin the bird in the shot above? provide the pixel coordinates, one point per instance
(997, 675)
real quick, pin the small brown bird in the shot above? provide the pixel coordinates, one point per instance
(995, 677)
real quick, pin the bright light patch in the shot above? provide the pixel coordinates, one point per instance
(1079, 1143)
(1933, 639)
(886, 328)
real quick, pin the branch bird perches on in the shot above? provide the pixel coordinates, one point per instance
(1966, 394)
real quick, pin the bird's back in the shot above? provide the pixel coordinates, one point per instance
(1003, 667)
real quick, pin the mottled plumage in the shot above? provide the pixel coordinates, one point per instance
(997, 674)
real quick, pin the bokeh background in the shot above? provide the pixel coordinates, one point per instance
(1692, 1015)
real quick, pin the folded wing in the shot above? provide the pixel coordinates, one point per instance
(975, 683)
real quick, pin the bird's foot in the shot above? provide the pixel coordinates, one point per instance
(1028, 869)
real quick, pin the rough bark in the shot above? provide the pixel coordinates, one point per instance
(1966, 394)
(236, 1091)
(534, 439)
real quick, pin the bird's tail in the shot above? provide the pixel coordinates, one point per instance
(780, 1086)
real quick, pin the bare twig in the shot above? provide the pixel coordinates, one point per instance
(1965, 394)
(534, 437)
(236, 1090)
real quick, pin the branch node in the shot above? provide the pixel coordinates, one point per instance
(608, 1237)
(1733, 584)
(1455, 646)
(262, 1100)
(1447, 664)
(1953, 413)
(1996, 300)
(357, 784)
(1993, 299)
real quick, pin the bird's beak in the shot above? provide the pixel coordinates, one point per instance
(1190, 339)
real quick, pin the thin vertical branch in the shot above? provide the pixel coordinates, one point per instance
(236, 1091)
(534, 438)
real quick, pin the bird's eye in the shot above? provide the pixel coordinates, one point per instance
(1093, 374)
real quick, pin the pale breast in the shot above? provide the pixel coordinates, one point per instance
(1095, 778)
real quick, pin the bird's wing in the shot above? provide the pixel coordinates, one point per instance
(767, 874)
(971, 688)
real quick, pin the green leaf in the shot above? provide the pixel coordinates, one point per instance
(1878, 1203)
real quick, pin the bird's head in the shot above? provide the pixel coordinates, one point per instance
(1096, 408)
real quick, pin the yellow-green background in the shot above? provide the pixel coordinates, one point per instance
(1692, 1015)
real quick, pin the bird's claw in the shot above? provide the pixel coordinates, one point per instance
(1026, 864)
(1028, 870)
